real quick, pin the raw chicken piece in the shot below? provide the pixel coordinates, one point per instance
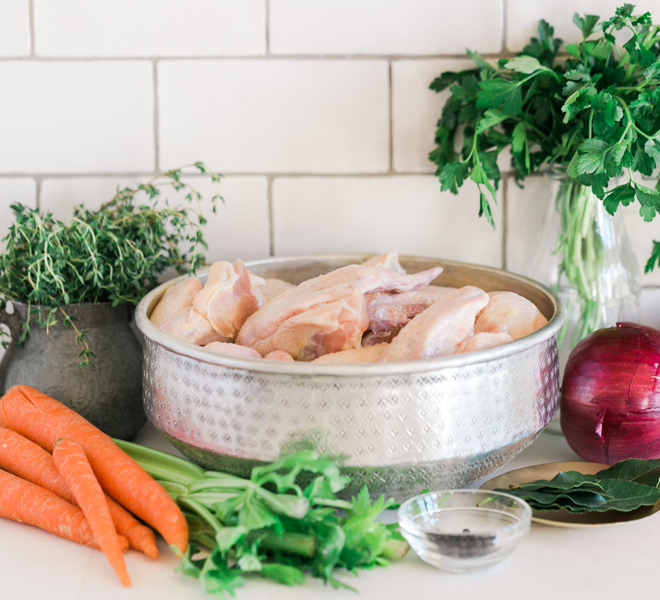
(227, 299)
(278, 355)
(389, 261)
(233, 349)
(273, 288)
(371, 338)
(354, 355)
(481, 341)
(175, 298)
(437, 290)
(256, 283)
(387, 311)
(441, 328)
(509, 312)
(175, 315)
(325, 314)
(329, 327)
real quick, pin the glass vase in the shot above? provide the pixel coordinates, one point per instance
(584, 254)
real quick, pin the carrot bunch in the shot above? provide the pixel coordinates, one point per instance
(85, 489)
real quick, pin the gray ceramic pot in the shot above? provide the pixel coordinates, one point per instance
(110, 394)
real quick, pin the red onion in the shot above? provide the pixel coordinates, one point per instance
(610, 397)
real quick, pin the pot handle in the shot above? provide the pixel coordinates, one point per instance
(13, 321)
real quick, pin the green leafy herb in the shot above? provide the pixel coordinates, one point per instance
(269, 525)
(110, 255)
(625, 486)
(596, 113)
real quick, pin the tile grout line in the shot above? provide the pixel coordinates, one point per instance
(156, 117)
(391, 118)
(505, 12)
(267, 26)
(271, 224)
(270, 56)
(31, 28)
(38, 179)
(290, 174)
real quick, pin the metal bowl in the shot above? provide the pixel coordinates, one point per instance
(404, 426)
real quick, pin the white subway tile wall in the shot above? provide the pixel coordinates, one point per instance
(410, 27)
(61, 195)
(14, 28)
(239, 228)
(416, 110)
(76, 117)
(376, 214)
(311, 116)
(319, 113)
(112, 28)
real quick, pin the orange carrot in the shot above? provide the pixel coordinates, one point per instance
(140, 537)
(74, 467)
(26, 502)
(44, 420)
(31, 462)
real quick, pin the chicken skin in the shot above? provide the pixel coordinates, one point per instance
(175, 315)
(175, 298)
(389, 261)
(481, 341)
(227, 299)
(365, 354)
(325, 314)
(508, 312)
(277, 355)
(441, 328)
(387, 311)
(233, 349)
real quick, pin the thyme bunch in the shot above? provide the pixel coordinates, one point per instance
(113, 254)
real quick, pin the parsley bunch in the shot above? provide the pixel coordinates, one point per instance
(596, 112)
(110, 255)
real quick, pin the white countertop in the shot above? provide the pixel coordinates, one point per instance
(607, 563)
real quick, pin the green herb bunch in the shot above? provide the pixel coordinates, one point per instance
(595, 111)
(110, 255)
(268, 525)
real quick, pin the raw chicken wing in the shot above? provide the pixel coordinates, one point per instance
(365, 354)
(233, 349)
(175, 298)
(325, 314)
(278, 355)
(175, 315)
(441, 328)
(387, 311)
(389, 261)
(481, 341)
(227, 299)
(511, 313)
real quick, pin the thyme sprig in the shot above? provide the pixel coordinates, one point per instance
(113, 254)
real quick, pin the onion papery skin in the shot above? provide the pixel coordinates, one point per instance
(610, 397)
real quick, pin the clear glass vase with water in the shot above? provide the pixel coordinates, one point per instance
(585, 255)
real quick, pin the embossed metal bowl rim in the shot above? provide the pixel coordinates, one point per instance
(173, 344)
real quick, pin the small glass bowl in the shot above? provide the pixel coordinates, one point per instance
(464, 530)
